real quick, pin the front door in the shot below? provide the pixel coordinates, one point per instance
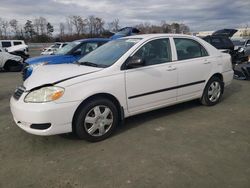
(152, 85)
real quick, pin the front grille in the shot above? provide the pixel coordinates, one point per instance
(18, 92)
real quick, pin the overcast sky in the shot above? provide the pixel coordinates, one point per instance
(199, 15)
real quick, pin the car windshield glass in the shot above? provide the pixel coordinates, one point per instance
(66, 49)
(238, 42)
(109, 53)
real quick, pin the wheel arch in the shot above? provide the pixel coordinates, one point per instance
(218, 75)
(108, 96)
(10, 62)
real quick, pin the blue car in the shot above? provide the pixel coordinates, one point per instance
(73, 51)
(68, 54)
(126, 31)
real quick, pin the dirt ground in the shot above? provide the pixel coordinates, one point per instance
(187, 145)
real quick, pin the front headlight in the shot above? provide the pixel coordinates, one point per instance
(44, 94)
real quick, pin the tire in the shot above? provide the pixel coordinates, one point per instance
(12, 66)
(95, 120)
(212, 92)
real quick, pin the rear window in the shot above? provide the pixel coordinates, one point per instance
(188, 49)
(6, 44)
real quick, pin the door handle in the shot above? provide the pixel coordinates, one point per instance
(171, 68)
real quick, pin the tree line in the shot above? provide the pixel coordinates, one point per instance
(76, 27)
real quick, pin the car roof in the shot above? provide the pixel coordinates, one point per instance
(11, 40)
(148, 36)
(93, 40)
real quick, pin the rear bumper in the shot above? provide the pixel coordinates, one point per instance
(228, 77)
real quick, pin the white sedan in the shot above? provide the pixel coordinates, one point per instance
(122, 78)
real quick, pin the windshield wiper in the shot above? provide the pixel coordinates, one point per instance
(90, 64)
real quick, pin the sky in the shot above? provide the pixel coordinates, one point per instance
(197, 14)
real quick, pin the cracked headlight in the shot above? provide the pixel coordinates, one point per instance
(44, 94)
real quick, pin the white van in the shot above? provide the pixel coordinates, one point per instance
(14, 46)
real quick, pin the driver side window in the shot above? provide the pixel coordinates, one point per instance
(86, 48)
(155, 52)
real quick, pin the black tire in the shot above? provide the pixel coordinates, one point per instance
(206, 98)
(12, 66)
(80, 125)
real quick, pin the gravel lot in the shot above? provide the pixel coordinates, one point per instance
(187, 145)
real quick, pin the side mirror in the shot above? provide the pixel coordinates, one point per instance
(134, 62)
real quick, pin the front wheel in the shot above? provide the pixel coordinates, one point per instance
(212, 92)
(96, 120)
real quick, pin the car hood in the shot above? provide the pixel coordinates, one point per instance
(53, 74)
(47, 58)
(225, 32)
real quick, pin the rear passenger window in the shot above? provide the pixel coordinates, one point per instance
(187, 49)
(6, 44)
(17, 43)
(155, 52)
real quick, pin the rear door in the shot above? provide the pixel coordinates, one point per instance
(153, 84)
(194, 65)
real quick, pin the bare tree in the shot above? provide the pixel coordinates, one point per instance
(91, 25)
(5, 26)
(43, 25)
(62, 29)
(1, 30)
(99, 25)
(79, 23)
(114, 25)
(82, 25)
(69, 26)
(37, 25)
(14, 25)
(184, 28)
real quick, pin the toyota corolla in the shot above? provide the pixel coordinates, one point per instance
(122, 78)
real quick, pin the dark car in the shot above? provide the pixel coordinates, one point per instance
(126, 31)
(243, 43)
(242, 71)
(221, 40)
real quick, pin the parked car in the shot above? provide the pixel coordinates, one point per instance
(15, 46)
(221, 40)
(242, 71)
(73, 52)
(242, 43)
(122, 78)
(51, 50)
(68, 54)
(9, 62)
(126, 31)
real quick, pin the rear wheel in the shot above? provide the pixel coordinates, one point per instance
(212, 92)
(96, 120)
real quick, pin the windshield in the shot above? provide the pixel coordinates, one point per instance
(66, 49)
(238, 42)
(109, 53)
